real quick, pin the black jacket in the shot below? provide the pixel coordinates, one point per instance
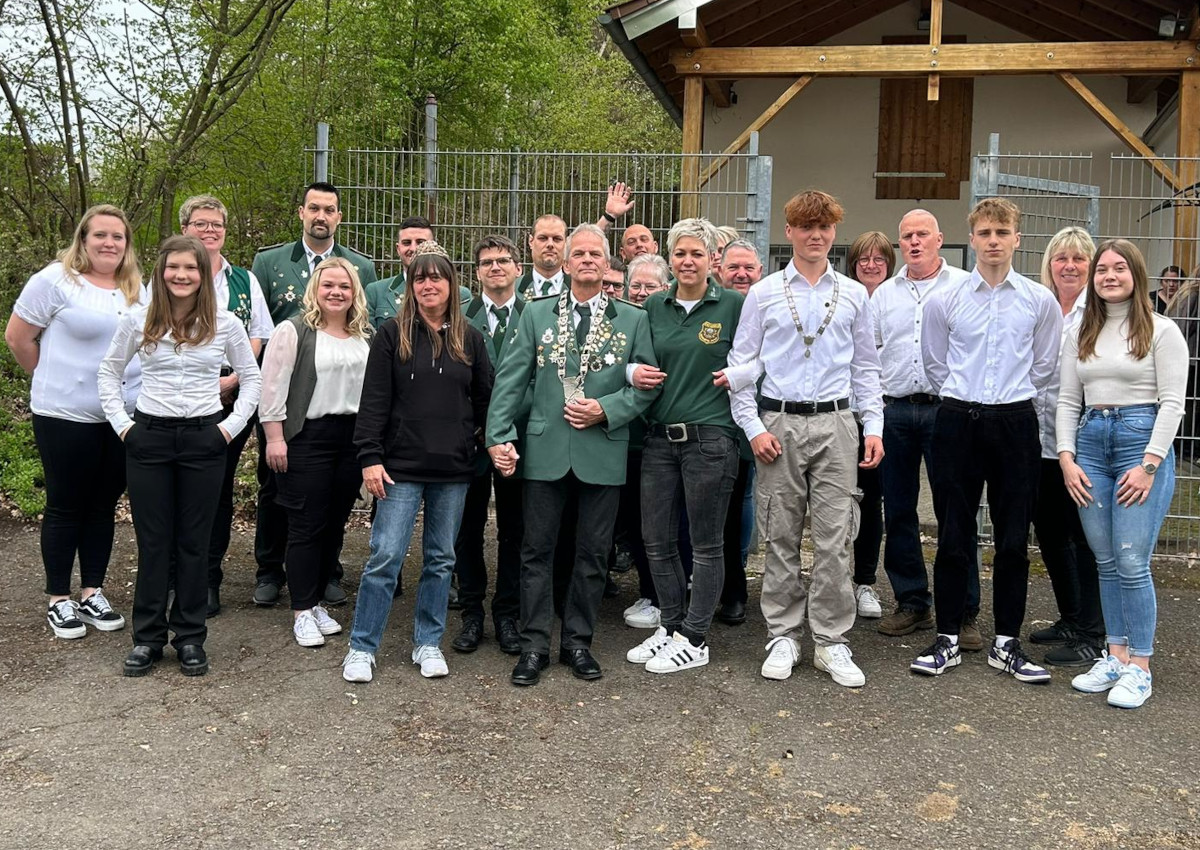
(418, 417)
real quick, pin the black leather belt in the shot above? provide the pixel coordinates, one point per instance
(915, 398)
(175, 422)
(803, 408)
(679, 432)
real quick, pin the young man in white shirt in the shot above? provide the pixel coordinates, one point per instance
(909, 409)
(990, 347)
(807, 330)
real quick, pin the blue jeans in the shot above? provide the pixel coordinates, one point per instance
(395, 518)
(1109, 444)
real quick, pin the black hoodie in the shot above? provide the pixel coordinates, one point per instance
(418, 417)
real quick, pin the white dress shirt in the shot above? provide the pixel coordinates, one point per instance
(340, 365)
(1049, 403)
(592, 303)
(260, 314)
(992, 345)
(492, 319)
(555, 281)
(843, 360)
(184, 383)
(897, 309)
(312, 255)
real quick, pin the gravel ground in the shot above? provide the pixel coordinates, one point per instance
(273, 749)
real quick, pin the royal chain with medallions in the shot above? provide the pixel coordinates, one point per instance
(573, 387)
(791, 302)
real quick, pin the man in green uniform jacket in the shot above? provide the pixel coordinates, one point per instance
(383, 296)
(574, 347)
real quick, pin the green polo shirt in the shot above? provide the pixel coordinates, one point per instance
(689, 347)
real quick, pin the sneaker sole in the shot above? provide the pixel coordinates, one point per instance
(1128, 706)
(103, 625)
(1086, 690)
(310, 642)
(328, 631)
(777, 676)
(1075, 662)
(699, 662)
(843, 681)
(357, 680)
(869, 615)
(642, 624)
(931, 671)
(68, 634)
(435, 674)
(1020, 677)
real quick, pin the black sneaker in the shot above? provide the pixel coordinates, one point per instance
(63, 618)
(1053, 635)
(266, 593)
(96, 612)
(1076, 652)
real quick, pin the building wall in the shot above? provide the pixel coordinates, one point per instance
(827, 136)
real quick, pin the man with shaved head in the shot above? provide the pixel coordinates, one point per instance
(637, 240)
(910, 407)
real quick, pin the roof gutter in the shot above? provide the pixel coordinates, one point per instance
(617, 32)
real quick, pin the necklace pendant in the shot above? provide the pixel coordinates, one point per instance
(809, 340)
(807, 353)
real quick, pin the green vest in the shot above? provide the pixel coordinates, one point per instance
(238, 280)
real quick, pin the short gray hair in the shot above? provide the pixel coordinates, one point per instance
(745, 245)
(201, 202)
(700, 229)
(729, 234)
(588, 227)
(653, 262)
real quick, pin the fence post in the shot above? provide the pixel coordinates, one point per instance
(985, 182)
(514, 198)
(321, 154)
(431, 147)
(758, 199)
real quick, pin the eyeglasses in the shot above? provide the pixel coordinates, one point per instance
(644, 287)
(872, 261)
(202, 226)
(495, 261)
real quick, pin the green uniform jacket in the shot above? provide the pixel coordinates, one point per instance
(552, 448)
(282, 271)
(525, 283)
(477, 318)
(383, 299)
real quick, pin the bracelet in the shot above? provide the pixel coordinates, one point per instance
(612, 219)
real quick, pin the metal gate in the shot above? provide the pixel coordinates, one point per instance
(467, 194)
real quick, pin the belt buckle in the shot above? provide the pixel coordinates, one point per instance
(677, 433)
(806, 408)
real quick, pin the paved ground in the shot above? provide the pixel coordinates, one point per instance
(273, 749)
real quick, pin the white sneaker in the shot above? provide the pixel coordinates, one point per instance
(357, 666)
(1132, 689)
(836, 661)
(677, 654)
(326, 624)
(782, 656)
(649, 648)
(433, 663)
(868, 602)
(642, 615)
(305, 630)
(1103, 675)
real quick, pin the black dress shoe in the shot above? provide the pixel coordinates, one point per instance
(508, 637)
(141, 659)
(732, 613)
(582, 665)
(470, 636)
(214, 602)
(334, 595)
(266, 593)
(192, 660)
(529, 669)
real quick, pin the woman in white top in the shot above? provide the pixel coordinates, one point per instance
(1117, 461)
(60, 327)
(312, 380)
(175, 443)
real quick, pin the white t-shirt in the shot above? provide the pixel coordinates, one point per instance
(79, 320)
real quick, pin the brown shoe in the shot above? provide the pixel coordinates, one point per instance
(969, 636)
(903, 622)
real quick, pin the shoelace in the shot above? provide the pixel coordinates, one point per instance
(306, 622)
(64, 609)
(98, 602)
(839, 655)
(781, 652)
(357, 656)
(1014, 657)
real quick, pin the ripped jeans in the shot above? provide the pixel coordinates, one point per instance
(1110, 443)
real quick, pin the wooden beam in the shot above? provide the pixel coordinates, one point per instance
(935, 42)
(693, 35)
(1186, 217)
(960, 60)
(1126, 135)
(693, 139)
(757, 124)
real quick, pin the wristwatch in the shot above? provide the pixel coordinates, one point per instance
(1149, 468)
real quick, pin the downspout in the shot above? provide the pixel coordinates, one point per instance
(617, 32)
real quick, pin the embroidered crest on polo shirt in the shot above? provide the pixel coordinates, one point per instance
(710, 332)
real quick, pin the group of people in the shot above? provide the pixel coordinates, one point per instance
(645, 403)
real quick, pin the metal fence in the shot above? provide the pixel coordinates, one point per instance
(1117, 196)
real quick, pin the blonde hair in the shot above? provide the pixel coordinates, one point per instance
(201, 202)
(1071, 238)
(357, 321)
(199, 326)
(1141, 311)
(128, 275)
(999, 210)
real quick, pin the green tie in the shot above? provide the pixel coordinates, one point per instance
(501, 314)
(581, 330)
(546, 284)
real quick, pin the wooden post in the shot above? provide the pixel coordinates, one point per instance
(693, 138)
(1189, 169)
(935, 44)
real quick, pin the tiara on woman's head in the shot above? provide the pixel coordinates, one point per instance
(430, 246)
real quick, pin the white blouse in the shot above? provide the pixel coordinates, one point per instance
(182, 383)
(79, 320)
(340, 365)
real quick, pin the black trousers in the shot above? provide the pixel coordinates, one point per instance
(1069, 562)
(174, 467)
(629, 519)
(593, 520)
(996, 445)
(470, 564)
(318, 491)
(218, 544)
(84, 468)
(734, 589)
(870, 528)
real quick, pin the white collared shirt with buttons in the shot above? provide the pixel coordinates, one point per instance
(312, 255)
(896, 310)
(492, 319)
(992, 345)
(844, 359)
(555, 281)
(1048, 408)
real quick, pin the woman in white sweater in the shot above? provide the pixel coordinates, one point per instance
(1117, 460)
